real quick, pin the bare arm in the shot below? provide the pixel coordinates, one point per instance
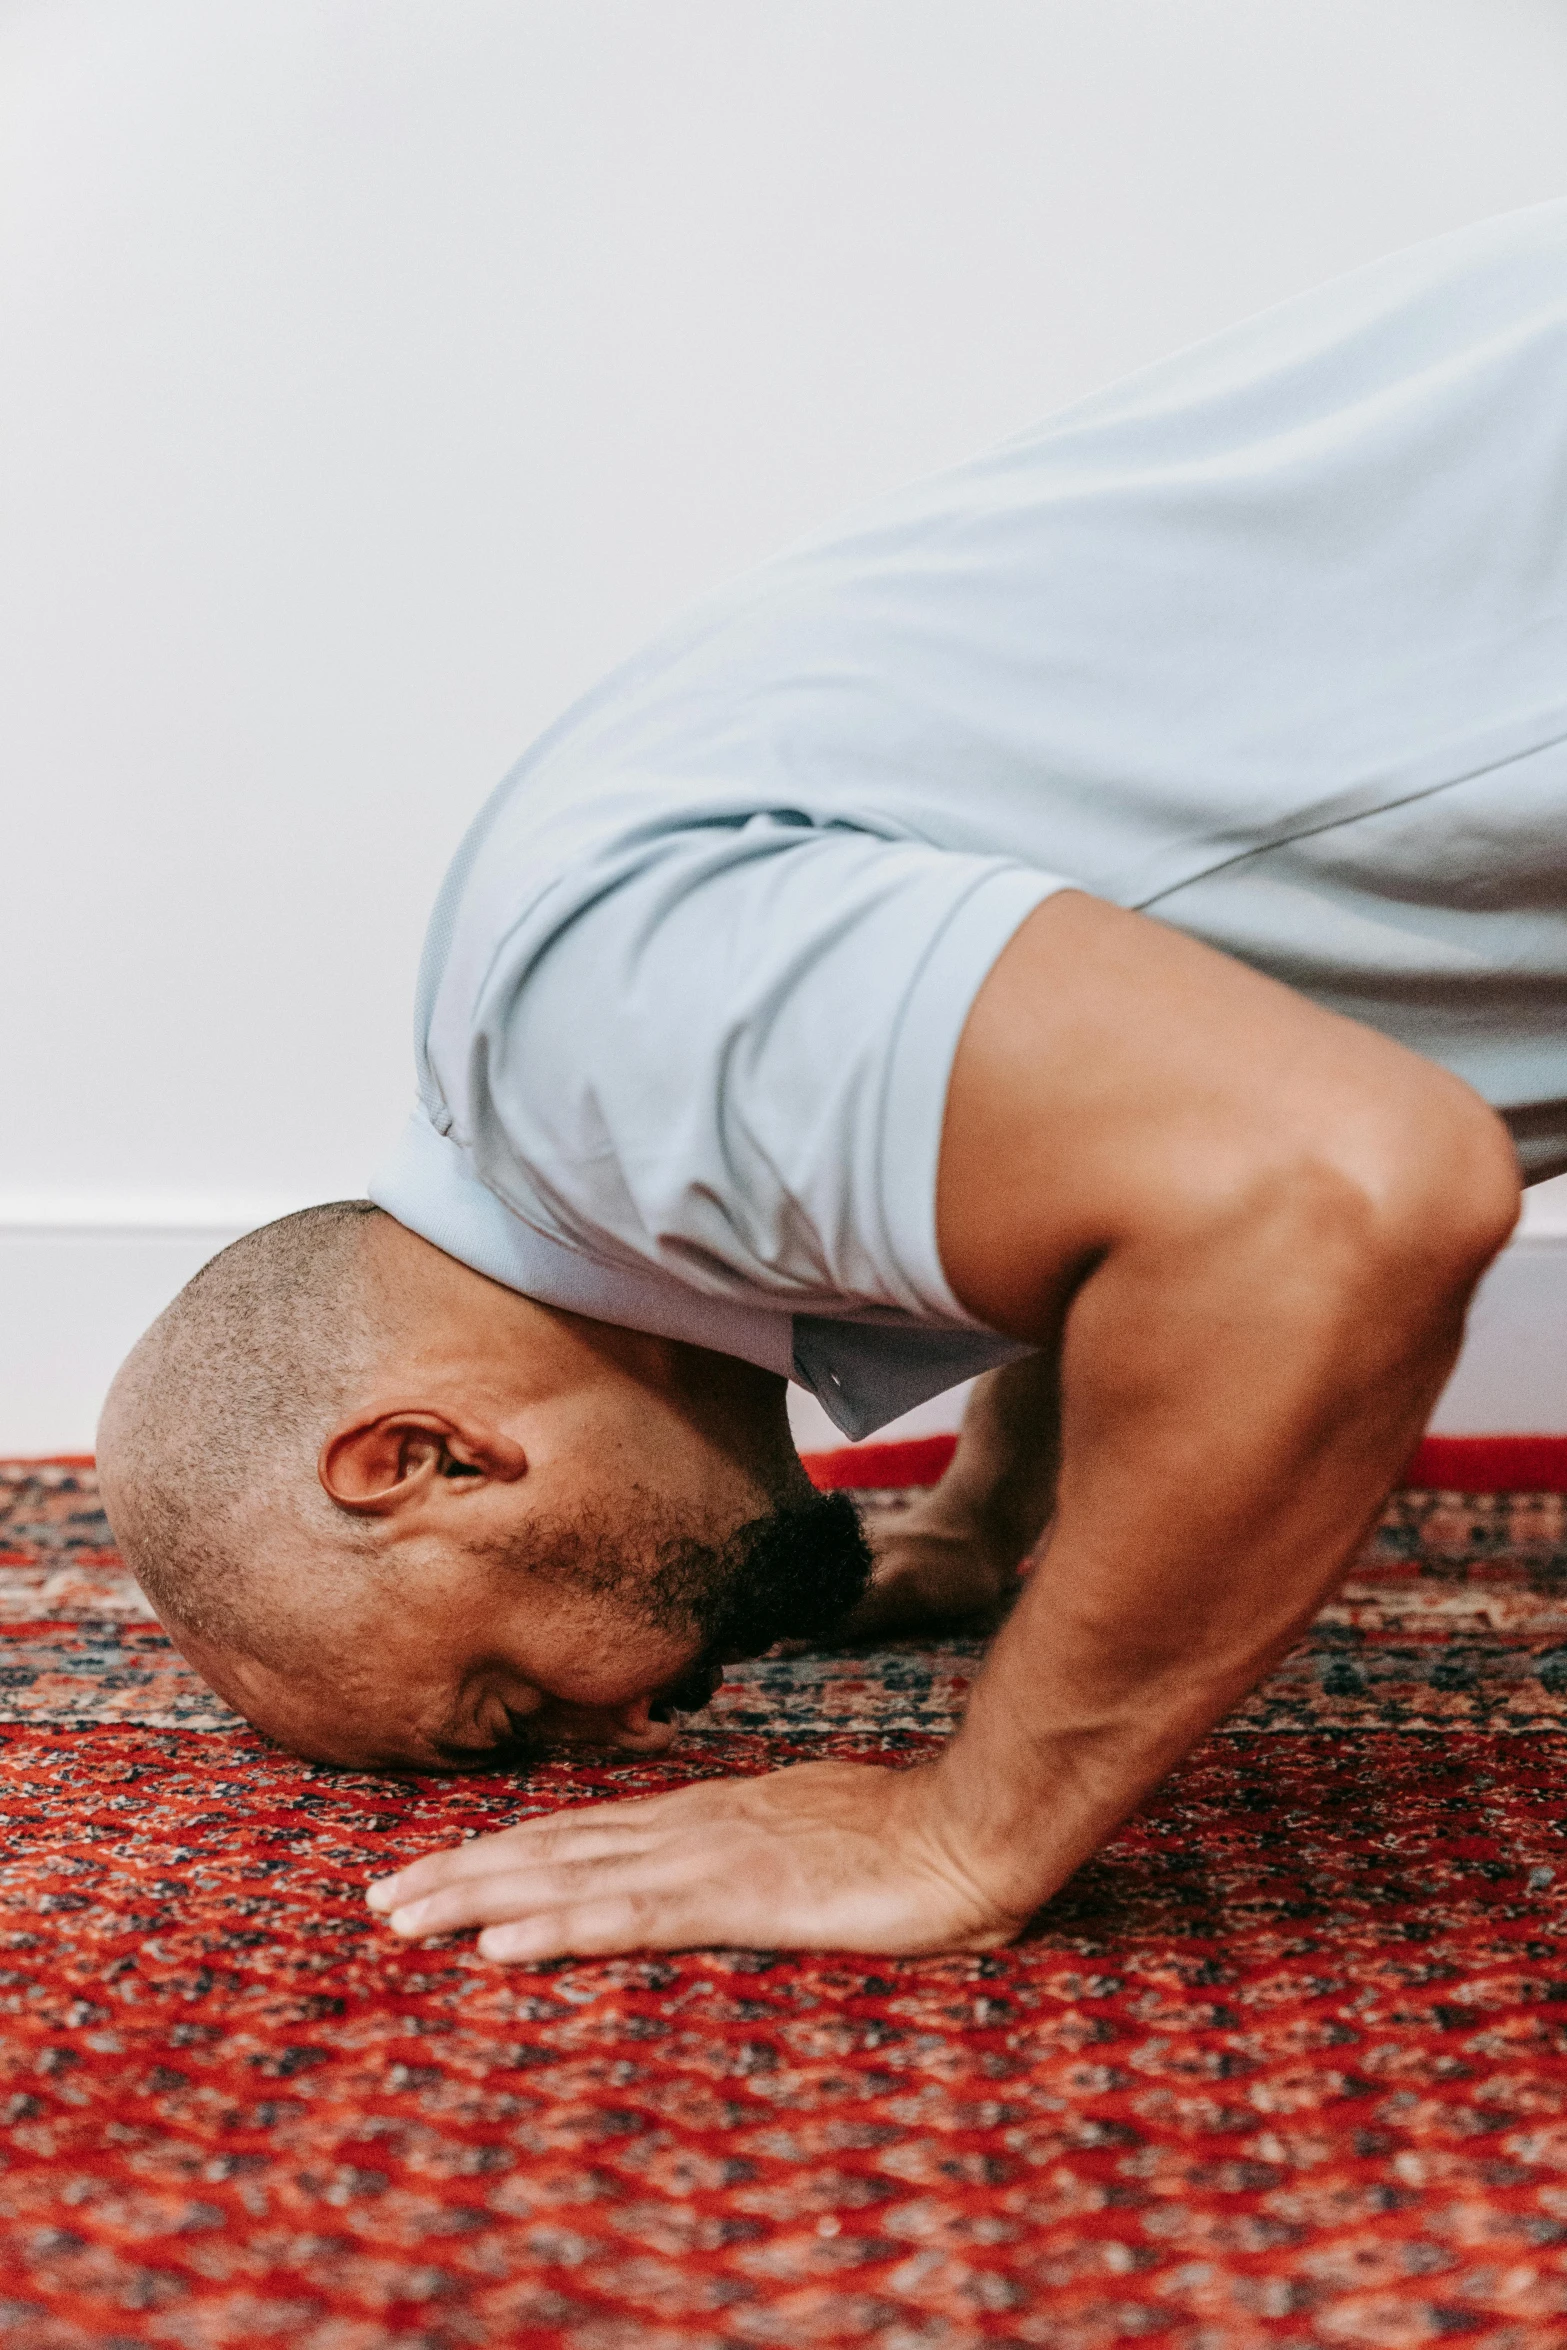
(1252, 1229)
(1268, 1222)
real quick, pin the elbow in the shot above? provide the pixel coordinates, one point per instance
(1380, 1220)
(1441, 1188)
(1387, 1237)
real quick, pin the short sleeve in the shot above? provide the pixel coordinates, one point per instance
(729, 1060)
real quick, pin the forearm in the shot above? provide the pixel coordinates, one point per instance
(1231, 1426)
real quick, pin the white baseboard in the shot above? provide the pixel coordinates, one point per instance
(74, 1297)
(1512, 1375)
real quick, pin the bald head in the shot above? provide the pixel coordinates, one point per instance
(208, 1442)
(393, 1509)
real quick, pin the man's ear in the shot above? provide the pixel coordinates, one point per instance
(378, 1462)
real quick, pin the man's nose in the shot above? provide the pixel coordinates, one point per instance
(634, 1730)
(630, 1727)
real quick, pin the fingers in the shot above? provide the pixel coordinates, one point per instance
(594, 1929)
(517, 1893)
(599, 1878)
(583, 1831)
(825, 1856)
(569, 1835)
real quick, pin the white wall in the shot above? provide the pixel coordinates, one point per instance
(377, 371)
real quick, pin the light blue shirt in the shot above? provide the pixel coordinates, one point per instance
(1269, 640)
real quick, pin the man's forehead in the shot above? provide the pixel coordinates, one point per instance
(352, 1715)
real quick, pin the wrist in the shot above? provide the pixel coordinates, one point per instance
(1027, 1813)
(997, 1900)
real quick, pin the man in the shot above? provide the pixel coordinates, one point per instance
(1098, 919)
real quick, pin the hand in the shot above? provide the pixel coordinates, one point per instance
(836, 1856)
(957, 1554)
(925, 1575)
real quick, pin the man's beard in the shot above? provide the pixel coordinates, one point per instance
(794, 1573)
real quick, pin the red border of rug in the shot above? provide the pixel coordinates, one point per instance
(1450, 1464)
(1490, 1464)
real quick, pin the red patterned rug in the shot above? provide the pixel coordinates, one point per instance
(1286, 2065)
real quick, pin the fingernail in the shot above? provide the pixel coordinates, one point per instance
(406, 1921)
(502, 1942)
(380, 1895)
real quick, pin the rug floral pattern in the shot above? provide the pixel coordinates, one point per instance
(1287, 2064)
